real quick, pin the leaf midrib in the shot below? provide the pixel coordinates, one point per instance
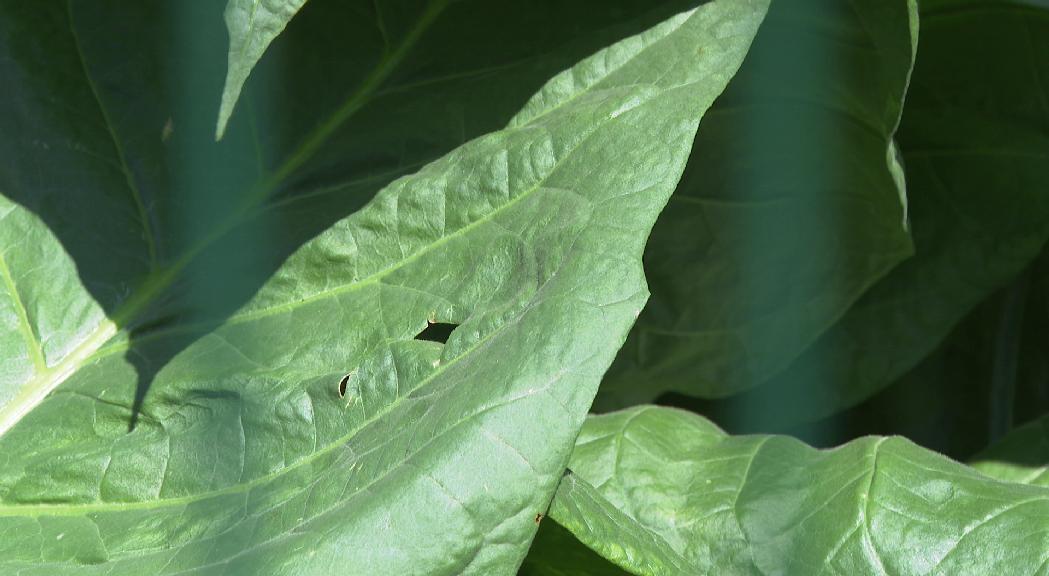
(136, 193)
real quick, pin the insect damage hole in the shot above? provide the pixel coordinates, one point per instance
(436, 332)
(342, 386)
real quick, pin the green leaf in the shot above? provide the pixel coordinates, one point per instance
(124, 145)
(791, 208)
(1022, 456)
(974, 137)
(556, 552)
(772, 505)
(611, 532)
(309, 429)
(252, 25)
(943, 404)
(989, 373)
(37, 276)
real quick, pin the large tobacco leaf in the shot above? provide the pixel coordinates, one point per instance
(124, 143)
(648, 483)
(791, 208)
(974, 137)
(191, 229)
(159, 421)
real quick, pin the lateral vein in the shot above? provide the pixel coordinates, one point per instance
(36, 352)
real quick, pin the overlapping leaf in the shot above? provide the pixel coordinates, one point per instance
(307, 430)
(792, 207)
(974, 137)
(772, 505)
(988, 375)
(556, 552)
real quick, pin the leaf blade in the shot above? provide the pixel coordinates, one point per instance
(616, 536)
(252, 25)
(762, 504)
(246, 457)
(793, 206)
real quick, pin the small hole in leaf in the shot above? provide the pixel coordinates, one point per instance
(342, 386)
(436, 332)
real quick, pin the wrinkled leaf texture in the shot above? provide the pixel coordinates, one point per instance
(299, 428)
(663, 491)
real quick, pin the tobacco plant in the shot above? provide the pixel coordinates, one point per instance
(362, 287)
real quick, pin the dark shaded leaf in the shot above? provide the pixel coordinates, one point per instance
(792, 206)
(974, 137)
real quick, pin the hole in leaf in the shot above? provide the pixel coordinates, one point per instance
(342, 386)
(436, 332)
